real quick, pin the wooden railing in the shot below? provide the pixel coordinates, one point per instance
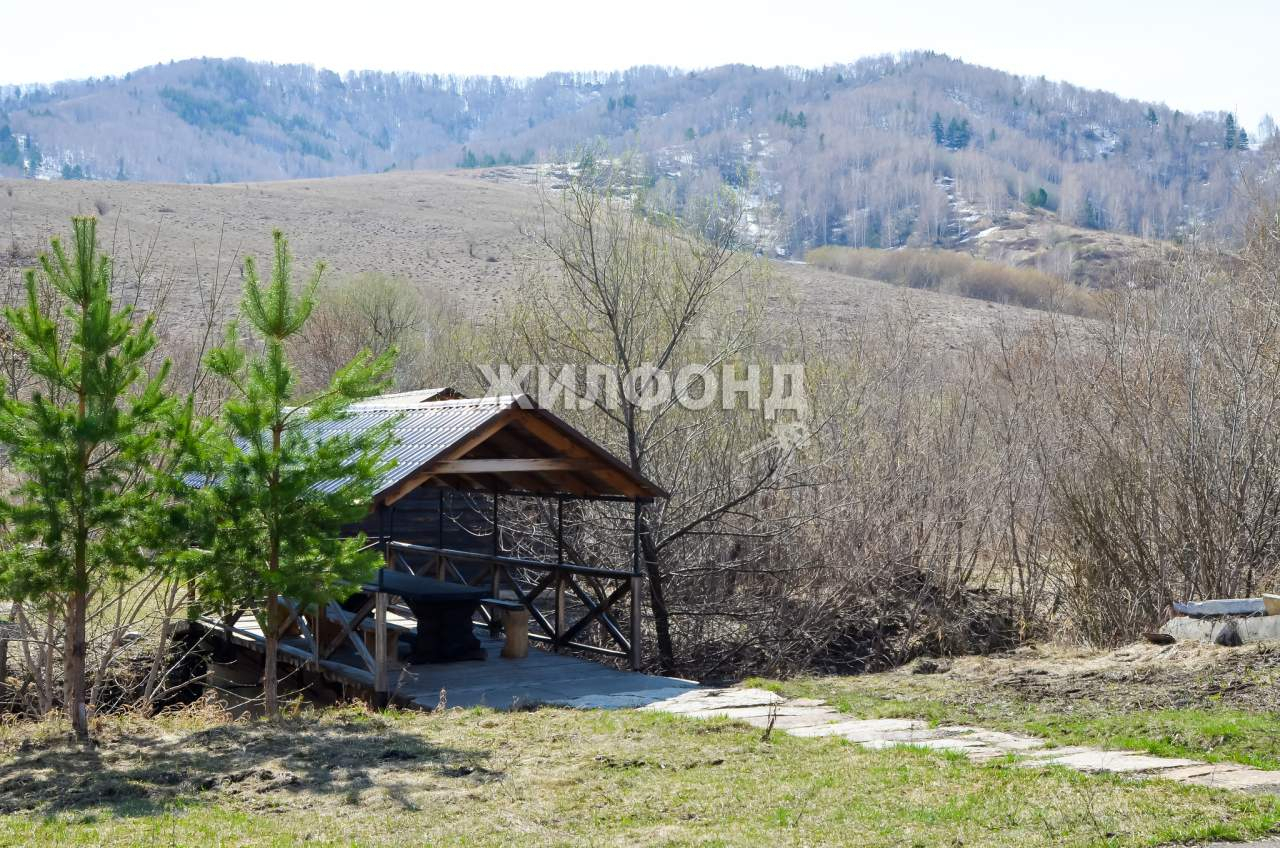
(580, 595)
(321, 632)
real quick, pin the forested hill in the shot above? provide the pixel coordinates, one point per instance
(881, 152)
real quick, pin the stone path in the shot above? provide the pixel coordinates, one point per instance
(809, 717)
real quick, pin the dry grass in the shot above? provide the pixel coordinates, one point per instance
(959, 274)
(560, 777)
(456, 232)
(1098, 259)
(438, 230)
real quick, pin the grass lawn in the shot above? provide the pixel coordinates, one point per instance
(561, 777)
(1204, 729)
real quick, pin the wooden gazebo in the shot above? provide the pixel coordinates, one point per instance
(496, 447)
(438, 513)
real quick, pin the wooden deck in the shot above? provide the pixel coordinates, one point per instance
(543, 677)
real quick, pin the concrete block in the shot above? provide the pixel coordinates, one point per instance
(1262, 628)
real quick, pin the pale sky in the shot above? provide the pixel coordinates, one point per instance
(1193, 56)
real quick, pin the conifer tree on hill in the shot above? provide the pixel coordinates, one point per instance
(958, 134)
(939, 131)
(279, 491)
(91, 445)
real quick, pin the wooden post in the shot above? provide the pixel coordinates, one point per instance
(515, 623)
(559, 531)
(380, 687)
(316, 630)
(637, 584)
(494, 578)
(440, 517)
(388, 528)
(440, 571)
(560, 628)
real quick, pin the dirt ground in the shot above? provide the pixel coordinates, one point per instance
(1138, 676)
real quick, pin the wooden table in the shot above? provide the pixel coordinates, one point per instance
(444, 612)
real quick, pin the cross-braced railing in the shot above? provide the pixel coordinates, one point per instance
(570, 606)
(583, 599)
(321, 631)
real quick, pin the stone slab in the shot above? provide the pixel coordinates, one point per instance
(811, 718)
(1006, 741)
(712, 699)
(1201, 770)
(807, 702)
(817, 714)
(1115, 762)
(1037, 757)
(1246, 779)
(861, 730)
(909, 737)
(797, 722)
(951, 743)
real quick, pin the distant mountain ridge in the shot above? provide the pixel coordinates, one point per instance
(874, 153)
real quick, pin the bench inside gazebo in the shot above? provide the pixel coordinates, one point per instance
(451, 614)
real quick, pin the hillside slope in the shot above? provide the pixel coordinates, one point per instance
(876, 153)
(457, 233)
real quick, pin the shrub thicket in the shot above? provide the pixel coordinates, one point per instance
(957, 273)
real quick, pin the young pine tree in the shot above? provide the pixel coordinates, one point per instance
(280, 492)
(1229, 140)
(86, 446)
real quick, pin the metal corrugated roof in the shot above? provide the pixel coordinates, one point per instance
(410, 399)
(426, 430)
(422, 431)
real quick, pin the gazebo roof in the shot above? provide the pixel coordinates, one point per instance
(491, 444)
(413, 398)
